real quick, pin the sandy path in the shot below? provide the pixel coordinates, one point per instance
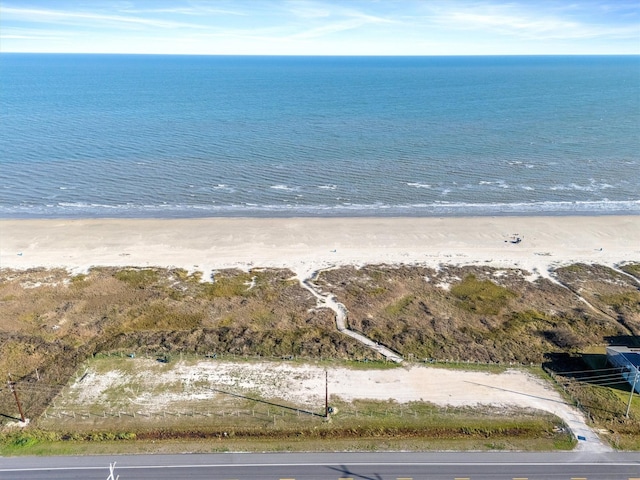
(331, 302)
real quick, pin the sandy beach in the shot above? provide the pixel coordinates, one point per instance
(308, 244)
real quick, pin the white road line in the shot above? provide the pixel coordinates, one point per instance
(330, 464)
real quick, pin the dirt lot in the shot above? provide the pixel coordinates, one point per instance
(149, 386)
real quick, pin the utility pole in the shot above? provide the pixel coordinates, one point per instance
(11, 384)
(633, 387)
(326, 394)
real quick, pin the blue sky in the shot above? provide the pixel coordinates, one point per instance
(322, 27)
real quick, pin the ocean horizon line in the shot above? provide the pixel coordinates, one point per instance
(458, 56)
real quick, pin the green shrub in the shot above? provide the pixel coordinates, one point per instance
(138, 278)
(159, 316)
(527, 319)
(481, 296)
(632, 269)
(78, 279)
(23, 440)
(227, 287)
(621, 301)
(400, 306)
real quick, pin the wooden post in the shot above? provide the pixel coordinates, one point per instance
(326, 394)
(12, 384)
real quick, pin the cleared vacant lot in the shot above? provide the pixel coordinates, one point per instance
(146, 388)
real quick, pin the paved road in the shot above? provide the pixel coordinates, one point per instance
(328, 466)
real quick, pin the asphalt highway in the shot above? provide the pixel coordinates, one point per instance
(331, 466)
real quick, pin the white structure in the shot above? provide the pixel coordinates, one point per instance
(628, 359)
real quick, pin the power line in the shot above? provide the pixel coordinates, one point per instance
(587, 371)
(600, 377)
(608, 384)
(36, 386)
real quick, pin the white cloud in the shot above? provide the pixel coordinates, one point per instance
(10, 36)
(67, 17)
(334, 19)
(193, 11)
(330, 28)
(523, 22)
(308, 10)
(511, 24)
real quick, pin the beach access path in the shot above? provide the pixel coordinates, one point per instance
(330, 301)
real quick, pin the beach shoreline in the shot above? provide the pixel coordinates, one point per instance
(532, 243)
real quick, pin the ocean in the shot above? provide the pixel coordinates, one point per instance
(197, 136)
